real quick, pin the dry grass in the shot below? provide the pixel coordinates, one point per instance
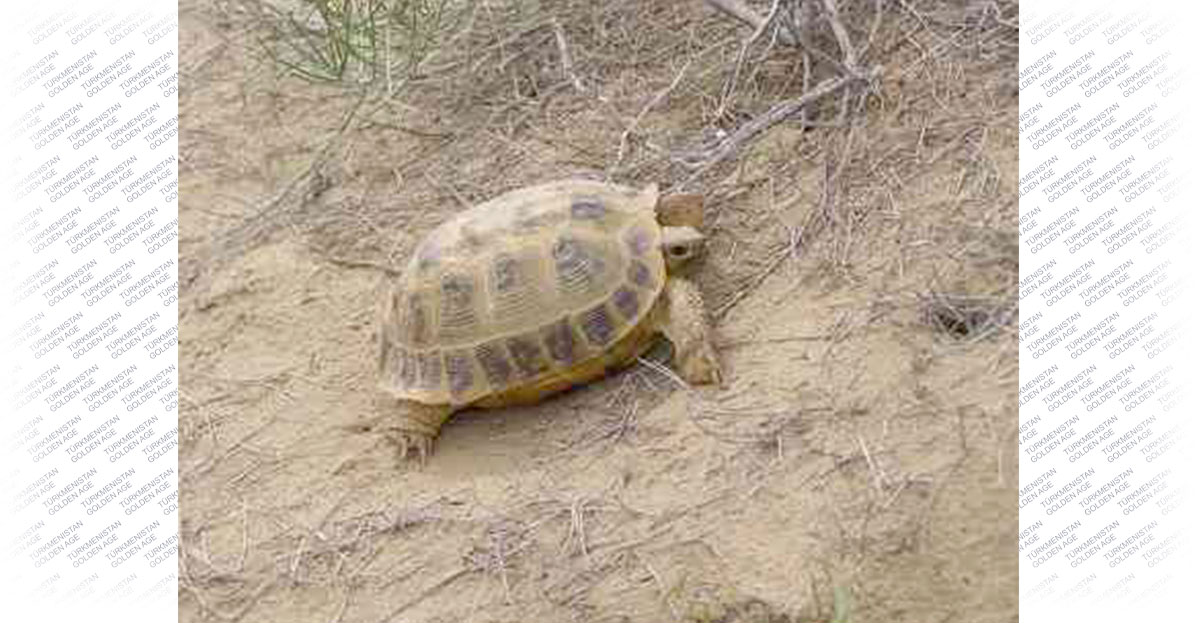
(581, 79)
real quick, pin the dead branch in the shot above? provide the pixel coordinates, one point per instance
(564, 52)
(739, 11)
(779, 112)
(632, 127)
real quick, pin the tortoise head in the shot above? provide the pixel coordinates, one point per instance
(680, 245)
(681, 216)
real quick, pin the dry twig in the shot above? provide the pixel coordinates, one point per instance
(743, 13)
(701, 161)
(564, 52)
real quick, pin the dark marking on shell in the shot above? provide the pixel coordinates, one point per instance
(495, 364)
(458, 373)
(428, 256)
(597, 326)
(574, 263)
(567, 250)
(625, 299)
(387, 353)
(408, 369)
(640, 274)
(638, 241)
(458, 296)
(560, 342)
(505, 272)
(416, 321)
(429, 370)
(527, 356)
(587, 208)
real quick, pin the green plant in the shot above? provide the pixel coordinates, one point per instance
(841, 605)
(352, 40)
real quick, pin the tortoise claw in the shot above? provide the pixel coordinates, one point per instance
(702, 367)
(419, 445)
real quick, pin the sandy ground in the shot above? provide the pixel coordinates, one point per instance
(862, 271)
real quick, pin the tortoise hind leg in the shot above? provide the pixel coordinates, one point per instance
(416, 426)
(685, 323)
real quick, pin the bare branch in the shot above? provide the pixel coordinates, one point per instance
(632, 127)
(842, 35)
(739, 11)
(731, 84)
(568, 64)
(752, 128)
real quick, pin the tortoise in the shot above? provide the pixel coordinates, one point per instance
(537, 290)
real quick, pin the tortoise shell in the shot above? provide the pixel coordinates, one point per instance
(525, 294)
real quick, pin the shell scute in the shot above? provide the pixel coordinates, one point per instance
(560, 342)
(527, 355)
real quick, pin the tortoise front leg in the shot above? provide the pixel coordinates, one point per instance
(685, 323)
